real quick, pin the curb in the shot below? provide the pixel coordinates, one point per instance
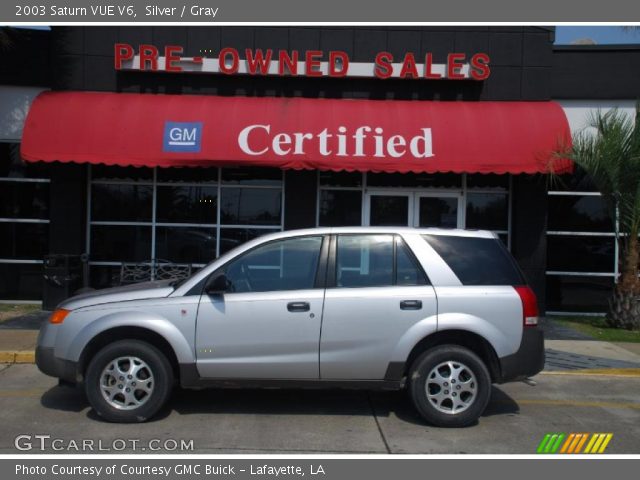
(17, 356)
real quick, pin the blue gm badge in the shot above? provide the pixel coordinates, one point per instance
(182, 137)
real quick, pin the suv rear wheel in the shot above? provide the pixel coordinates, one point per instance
(450, 386)
(128, 381)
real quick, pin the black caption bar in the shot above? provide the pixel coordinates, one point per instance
(319, 468)
(408, 11)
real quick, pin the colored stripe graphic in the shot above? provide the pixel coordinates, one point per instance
(574, 442)
(581, 443)
(550, 443)
(598, 443)
(543, 443)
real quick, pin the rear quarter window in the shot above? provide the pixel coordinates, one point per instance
(477, 261)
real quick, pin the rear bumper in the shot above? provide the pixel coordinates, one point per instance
(50, 365)
(527, 361)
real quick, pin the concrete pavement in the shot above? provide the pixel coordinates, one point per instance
(283, 421)
(17, 346)
(581, 390)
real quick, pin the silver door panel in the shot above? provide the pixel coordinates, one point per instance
(254, 335)
(362, 326)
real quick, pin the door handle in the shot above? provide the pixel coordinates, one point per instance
(298, 306)
(411, 305)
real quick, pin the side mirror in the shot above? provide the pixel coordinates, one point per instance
(217, 285)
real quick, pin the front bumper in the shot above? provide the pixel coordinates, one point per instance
(60, 368)
(527, 361)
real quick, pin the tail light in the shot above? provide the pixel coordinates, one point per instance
(529, 306)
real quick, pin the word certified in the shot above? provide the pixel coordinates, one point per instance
(360, 142)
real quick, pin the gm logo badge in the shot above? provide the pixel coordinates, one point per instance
(182, 137)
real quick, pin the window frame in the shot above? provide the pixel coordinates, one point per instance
(614, 273)
(364, 188)
(154, 224)
(28, 262)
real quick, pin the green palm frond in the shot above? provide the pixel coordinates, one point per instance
(608, 149)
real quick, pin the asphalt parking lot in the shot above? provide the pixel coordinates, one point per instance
(283, 421)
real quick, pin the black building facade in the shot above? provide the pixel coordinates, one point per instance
(558, 232)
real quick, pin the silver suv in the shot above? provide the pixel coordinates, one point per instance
(442, 313)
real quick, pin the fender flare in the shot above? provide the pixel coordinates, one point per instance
(156, 324)
(452, 321)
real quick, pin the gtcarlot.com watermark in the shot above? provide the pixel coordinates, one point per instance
(43, 442)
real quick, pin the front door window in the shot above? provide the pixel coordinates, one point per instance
(288, 264)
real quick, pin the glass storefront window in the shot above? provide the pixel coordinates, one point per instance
(567, 253)
(578, 213)
(253, 206)
(339, 208)
(24, 199)
(23, 241)
(487, 211)
(181, 204)
(578, 181)
(581, 268)
(186, 244)
(420, 180)
(422, 200)
(340, 179)
(104, 276)
(488, 181)
(231, 238)
(120, 243)
(439, 212)
(187, 175)
(12, 166)
(24, 225)
(389, 210)
(572, 293)
(121, 202)
(105, 173)
(175, 215)
(252, 176)
(21, 281)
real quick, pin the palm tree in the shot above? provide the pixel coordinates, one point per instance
(609, 152)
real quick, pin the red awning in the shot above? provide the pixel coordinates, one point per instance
(299, 133)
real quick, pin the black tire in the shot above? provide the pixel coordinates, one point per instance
(162, 381)
(427, 362)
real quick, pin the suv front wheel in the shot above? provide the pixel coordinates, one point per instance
(450, 386)
(128, 381)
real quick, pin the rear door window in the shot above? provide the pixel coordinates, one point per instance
(408, 272)
(364, 261)
(376, 261)
(477, 261)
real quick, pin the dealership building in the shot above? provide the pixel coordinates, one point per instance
(124, 146)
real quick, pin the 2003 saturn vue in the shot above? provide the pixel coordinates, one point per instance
(442, 313)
